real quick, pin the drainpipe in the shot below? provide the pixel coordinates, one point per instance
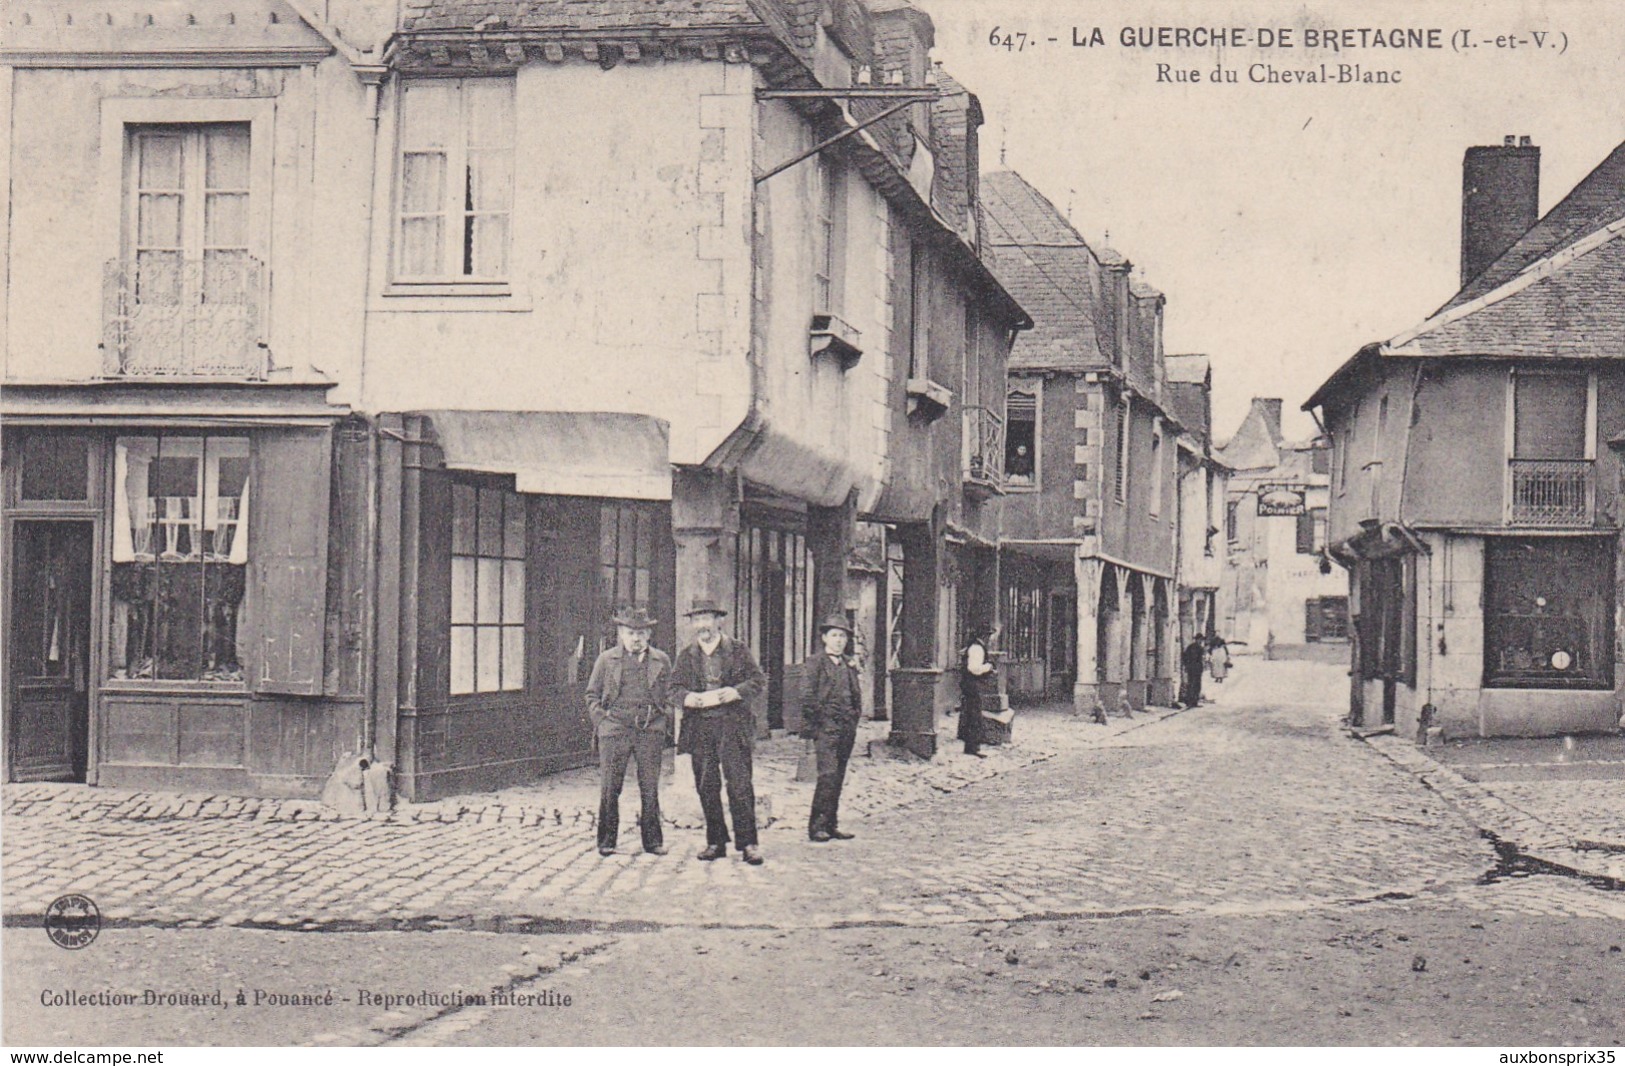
(372, 77)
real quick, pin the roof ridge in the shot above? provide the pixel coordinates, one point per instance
(1541, 268)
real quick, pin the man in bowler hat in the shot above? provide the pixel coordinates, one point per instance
(830, 708)
(627, 700)
(714, 680)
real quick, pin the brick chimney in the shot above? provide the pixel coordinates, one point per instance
(1500, 200)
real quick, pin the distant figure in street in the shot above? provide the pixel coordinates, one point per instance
(830, 706)
(714, 681)
(1219, 657)
(975, 678)
(1192, 662)
(627, 702)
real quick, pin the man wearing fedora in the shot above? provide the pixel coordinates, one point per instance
(627, 701)
(714, 681)
(830, 708)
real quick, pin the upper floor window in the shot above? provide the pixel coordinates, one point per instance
(829, 201)
(1155, 505)
(1021, 440)
(1311, 531)
(1123, 410)
(1550, 413)
(188, 191)
(456, 179)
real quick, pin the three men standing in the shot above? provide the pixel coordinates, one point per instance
(714, 681)
(627, 700)
(830, 708)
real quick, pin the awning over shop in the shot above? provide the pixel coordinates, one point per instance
(564, 453)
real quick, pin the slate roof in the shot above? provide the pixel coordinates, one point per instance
(1020, 214)
(1558, 293)
(1576, 311)
(1598, 200)
(575, 15)
(1188, 403)
(1050, 271)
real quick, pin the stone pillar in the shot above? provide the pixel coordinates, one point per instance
(705, 526)
(830, 533)
(1164, 680)
(1086, 574)
(914, 683)
(1139, 604)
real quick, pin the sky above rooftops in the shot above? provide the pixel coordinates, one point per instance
(1287, 224)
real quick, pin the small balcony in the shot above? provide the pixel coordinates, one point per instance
(169, 317)
(983, 450)
(1551, 492)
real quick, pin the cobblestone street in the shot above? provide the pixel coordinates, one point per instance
(1258, 805)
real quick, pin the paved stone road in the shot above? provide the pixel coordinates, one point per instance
(1257, 804)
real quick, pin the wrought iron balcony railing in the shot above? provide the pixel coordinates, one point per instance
(984, 448)
(1551, 492)
(163, 316)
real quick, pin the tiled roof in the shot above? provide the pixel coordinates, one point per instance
(1575, 312)
(1143, 290)
(1049, 269)
(575, 15)
(1598, 200)
(1188, 402)
(1053, 285)
(1017, 213)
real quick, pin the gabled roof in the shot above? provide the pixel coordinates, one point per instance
(1569, 307)
(1558, 293)
(1188, 403)
(1592, 204)
(1257, 444)
(1049, 269)
(1020, 214)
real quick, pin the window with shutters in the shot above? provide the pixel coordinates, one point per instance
(180, 547)
(1021, 440)
(1550, 480)
(455, 180)
(1311, 539)
(487, 590)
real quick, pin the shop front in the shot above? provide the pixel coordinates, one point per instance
(174, 617)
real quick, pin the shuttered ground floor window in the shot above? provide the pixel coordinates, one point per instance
(1548, 612)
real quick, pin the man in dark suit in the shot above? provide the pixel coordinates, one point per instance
(830, 708)
(627, 701)
(714, 681)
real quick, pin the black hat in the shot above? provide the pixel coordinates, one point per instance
(704, 607)
(836, 621)
(634, 618)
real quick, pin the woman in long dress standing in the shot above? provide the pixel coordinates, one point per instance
(1218, 658)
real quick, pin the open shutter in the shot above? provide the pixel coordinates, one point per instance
(287, 549)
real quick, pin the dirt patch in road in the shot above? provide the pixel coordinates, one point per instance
(1387, 974)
